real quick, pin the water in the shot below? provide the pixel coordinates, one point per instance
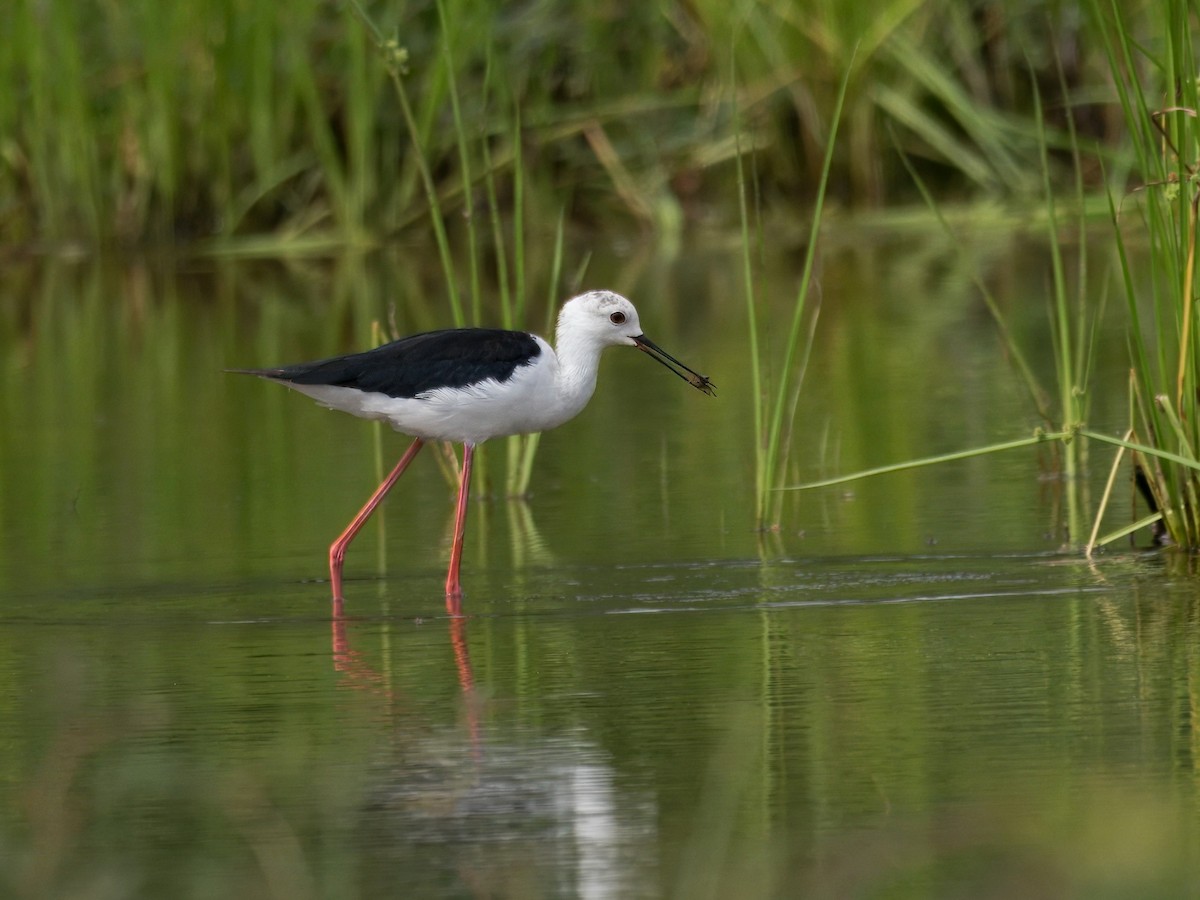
(911, 690)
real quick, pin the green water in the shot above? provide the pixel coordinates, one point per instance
(911, 690)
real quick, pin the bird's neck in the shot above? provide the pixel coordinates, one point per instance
(578, 363)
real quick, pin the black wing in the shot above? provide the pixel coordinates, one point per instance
(452, 358)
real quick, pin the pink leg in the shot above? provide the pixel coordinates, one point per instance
(337, 550)
(453, 585)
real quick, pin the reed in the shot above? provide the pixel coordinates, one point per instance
(137, 123)
(1162, 120)
(493, 238)
(1073, 317)
(774, 404)
(1164, 134)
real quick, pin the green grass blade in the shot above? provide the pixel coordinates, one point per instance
(464, 162)
(774, 461)
(1039, 437)
(1145, 522)
(395, 60)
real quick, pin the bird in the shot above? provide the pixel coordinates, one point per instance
(468, 385)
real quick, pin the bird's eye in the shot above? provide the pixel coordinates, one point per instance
(617, 318)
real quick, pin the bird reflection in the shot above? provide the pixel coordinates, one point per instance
(470, 809)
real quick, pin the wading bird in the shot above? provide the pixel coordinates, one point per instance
(467, 385)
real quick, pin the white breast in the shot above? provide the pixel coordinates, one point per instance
(535, 398)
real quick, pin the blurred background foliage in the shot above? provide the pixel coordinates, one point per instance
(142, 123)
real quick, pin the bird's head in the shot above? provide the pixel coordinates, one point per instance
(604, 319)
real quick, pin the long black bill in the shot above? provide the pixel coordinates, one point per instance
(658, 354)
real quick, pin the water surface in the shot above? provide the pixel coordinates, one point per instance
(911, 689)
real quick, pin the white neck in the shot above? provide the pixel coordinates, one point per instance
(578, 365)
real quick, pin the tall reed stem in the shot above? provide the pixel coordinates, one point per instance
(772, 457)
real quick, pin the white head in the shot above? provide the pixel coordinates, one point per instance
(599, 318)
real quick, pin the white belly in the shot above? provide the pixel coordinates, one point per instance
(527, 402)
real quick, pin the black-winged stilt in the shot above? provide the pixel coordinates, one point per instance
(467, 385)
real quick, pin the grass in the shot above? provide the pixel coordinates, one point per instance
(1163, 435)
(1072, 324)
(774, 404)
(225, 124)
(475, 154)
(251, 130)
(1162, 210)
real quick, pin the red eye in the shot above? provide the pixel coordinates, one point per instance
(617, 318)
